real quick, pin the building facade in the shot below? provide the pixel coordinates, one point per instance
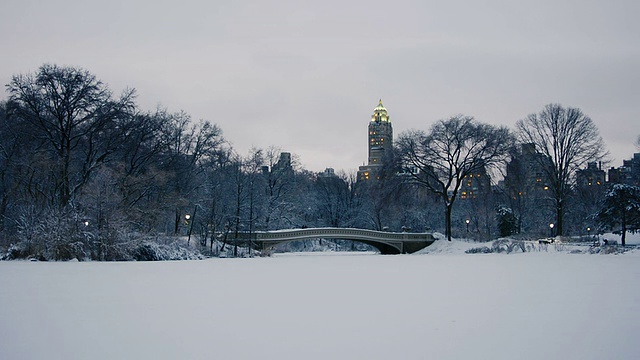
(591, 177)
(628, 173)
(527, 172)
(475, 185)
(528, 189)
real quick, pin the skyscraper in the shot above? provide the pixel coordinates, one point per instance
(380, 143)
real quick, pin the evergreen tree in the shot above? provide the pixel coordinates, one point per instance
(620, 210)
(507, 221)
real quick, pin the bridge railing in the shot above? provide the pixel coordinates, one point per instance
(334, 232)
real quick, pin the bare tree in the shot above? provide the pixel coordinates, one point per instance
(252, 167)
(453, 149)
(333, 200)
(244, 178)
(569, 140)
(188, 150)
(380, 195)
(75, 118)
(279, 181)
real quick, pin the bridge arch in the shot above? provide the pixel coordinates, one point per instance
(386, 242)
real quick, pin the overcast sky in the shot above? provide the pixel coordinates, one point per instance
(305, 76)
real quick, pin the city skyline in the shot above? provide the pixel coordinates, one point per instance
(268, 72)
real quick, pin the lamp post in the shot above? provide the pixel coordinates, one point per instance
(551, 229)
(467, 221)
(186, 222)
(589, 232)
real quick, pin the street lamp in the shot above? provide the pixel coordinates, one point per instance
(190, 226)
(467, 221)
(551, 229)
(589, 232)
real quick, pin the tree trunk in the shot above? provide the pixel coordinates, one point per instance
(559, 218)
(624, 231)
(447, 221)
(65, 195)
(177, 223)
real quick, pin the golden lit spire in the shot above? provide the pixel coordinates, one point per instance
(380, 113)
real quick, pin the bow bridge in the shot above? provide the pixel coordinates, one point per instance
(386, 242)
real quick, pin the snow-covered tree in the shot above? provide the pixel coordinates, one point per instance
(621, 210)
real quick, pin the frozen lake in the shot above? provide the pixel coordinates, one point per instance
(447, 305)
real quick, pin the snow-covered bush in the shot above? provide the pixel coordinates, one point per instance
(16, 251)
(54, 235)
(506, 246)
(608, 249)
(500, 246)
(66, 234)
(152, 251)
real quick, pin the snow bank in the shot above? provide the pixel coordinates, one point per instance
(631, 239)
(443, 246)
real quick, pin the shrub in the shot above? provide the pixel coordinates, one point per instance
(152, 251)
(501, 246)
(479, 250)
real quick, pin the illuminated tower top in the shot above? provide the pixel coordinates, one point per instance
(380, 113)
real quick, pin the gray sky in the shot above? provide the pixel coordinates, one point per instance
(306, 76)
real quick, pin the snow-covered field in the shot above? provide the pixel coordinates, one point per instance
(440, 305)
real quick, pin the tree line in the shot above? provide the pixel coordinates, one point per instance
(87, 174)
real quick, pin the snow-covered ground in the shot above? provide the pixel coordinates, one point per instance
(442, 304)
